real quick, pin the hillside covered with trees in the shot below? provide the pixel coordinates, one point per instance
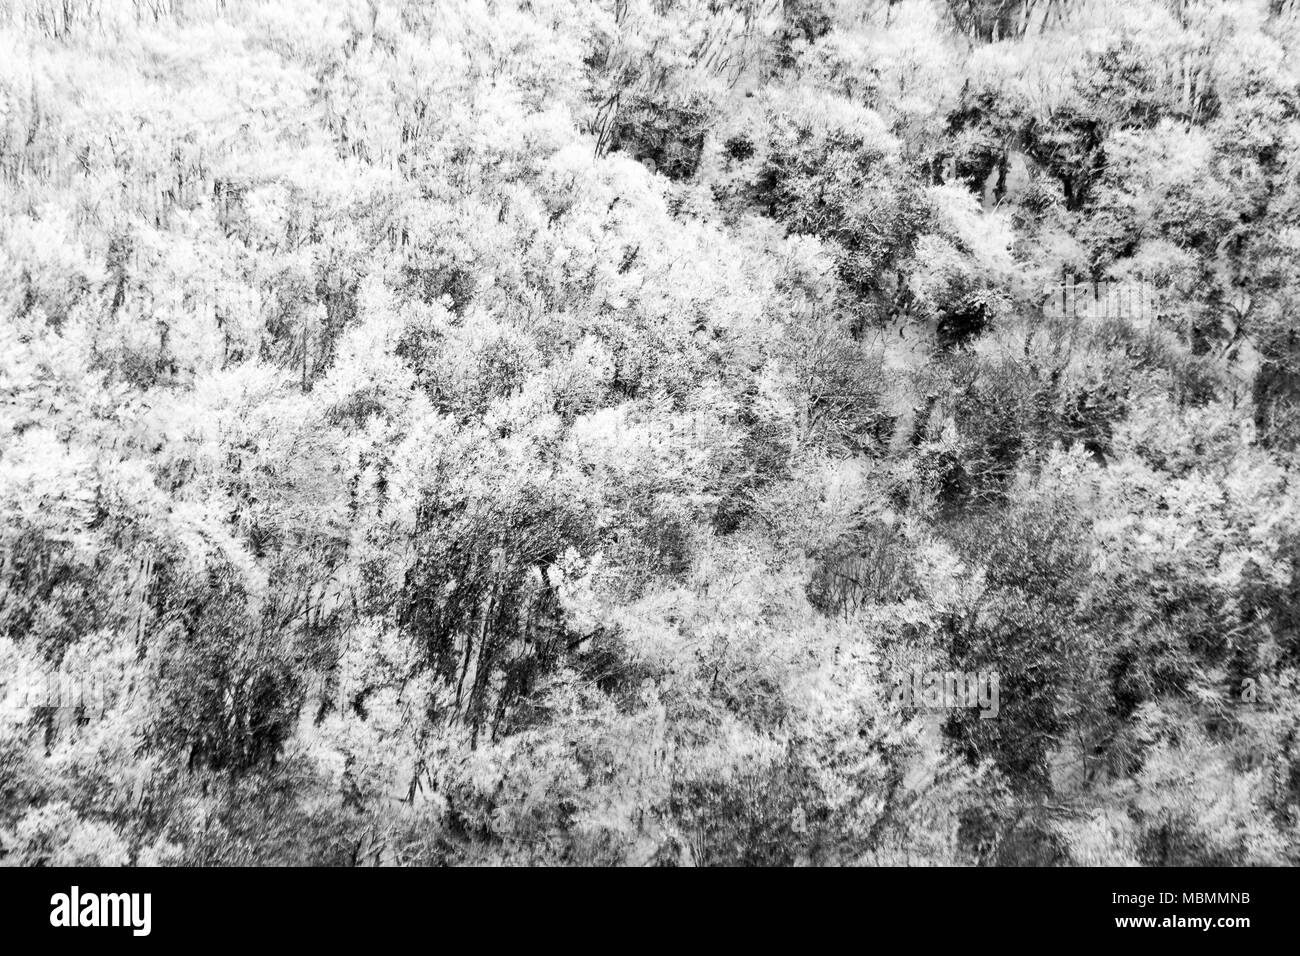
(547, 431)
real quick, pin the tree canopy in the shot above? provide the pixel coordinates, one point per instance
(546, 431)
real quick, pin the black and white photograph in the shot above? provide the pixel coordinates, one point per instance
(765, 434)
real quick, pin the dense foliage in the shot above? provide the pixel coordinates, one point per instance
(542, 431)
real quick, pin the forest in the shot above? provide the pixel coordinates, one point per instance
(550, 432)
